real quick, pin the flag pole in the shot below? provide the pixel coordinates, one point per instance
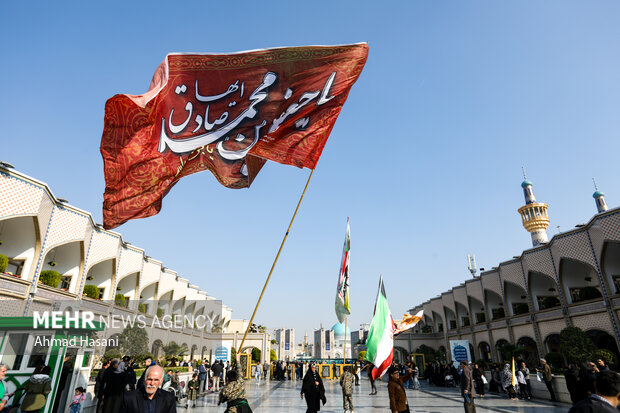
(344, 353)
(274, 263)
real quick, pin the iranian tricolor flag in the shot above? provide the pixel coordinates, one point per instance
(380, 342)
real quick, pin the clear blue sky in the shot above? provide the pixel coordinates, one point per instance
(425, 158)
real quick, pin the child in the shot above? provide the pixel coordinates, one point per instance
(192, 389)
(76, 402)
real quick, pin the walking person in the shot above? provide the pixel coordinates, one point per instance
(396, 390)
(526, 376)
(192, 389)
(234, 392)
(346, 382)
(507, 382)
(467, 389)
(314, 391)
(258, 372)
(99, 385)
(477, 374)
(357, 373)
(216, 369)
(373, 388)
(547, 378)
(202, 376)
(114, 381)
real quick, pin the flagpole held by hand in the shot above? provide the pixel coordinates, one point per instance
(274, 263)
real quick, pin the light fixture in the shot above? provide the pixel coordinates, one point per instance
(64, 201)
(588, 279)
(90, 278)
(523, 297)
(52, 263)
(551, 289)
(6, 165)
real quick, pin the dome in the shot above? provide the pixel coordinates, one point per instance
(339, 330)
(526, 183)
(597, 194)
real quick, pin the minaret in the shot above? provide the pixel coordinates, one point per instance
(534, 214)
(599, 198)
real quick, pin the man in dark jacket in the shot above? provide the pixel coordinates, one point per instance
(467, 389)
(150, 398)
(217, 369)
(99, 385)
(606, 398)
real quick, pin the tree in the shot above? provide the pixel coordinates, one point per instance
(575, 345)
(174, 349)
(508, 351)
(134, 341)
(272, 355)
(429, 353)
(254, 328)
(112, 354)
(255, 354)
(607, 356)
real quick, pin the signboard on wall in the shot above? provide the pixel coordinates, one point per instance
(459, 349)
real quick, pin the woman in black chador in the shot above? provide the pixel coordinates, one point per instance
(313, 389)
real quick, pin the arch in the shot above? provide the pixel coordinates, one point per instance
(552, 343)
(177, 307)
(544, 291)
(579, 281)
(157, 349)
(450, 319)
(494, 305)
(610, 265)
(530, 354)
(516, 299)
(20, 241)
(193, 352)
(203, 352)
(164, 302)
(477, 311)
(462, 314)
(499, 345)
(147, 297)
(438, 321)
(484, 349)
(102, 275)
(128, 287)
(67, 259)
(603, 340)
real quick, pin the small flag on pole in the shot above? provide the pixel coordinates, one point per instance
(380, 341)
(342, 294)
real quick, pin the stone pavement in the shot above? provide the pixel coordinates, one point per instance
(276, 397)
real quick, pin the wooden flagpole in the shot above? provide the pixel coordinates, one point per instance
(274, 264)
(344, 353)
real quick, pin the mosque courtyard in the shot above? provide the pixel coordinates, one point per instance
(275, 397)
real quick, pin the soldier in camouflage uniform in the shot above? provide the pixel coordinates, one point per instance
(346, 381)
(234, 392)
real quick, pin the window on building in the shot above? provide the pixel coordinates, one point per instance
(101, 293)
(15, 267)
(65, 282)
(616, 279)
(24, 350)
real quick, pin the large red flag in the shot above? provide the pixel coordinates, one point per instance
(225, 113)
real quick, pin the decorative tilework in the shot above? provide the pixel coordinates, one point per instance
(611, 226)
(448, 301)
(130, 261)
(18, 197)
(549, 327)
(538, 261)
(512, 272)
(491, 281)
(460, 296)
(474, 289)
(103, 246)
(10, 307)
(66, 225)
(523, 331)
(588, 322)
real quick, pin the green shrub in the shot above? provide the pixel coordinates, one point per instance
(521, 308)
(550, 302)
(142, 308)
(607, 356)
(119, 299)
(498, 313)
(111, 354)
(50, 278)
(555, 360)
(575, 345)
(4, 262)
(589, 293)
(91, 291)
(160, 312)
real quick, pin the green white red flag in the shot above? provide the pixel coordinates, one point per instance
(380, 341)
(226, 113)
(342, 294)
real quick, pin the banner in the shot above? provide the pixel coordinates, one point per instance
(227, 113)
(459, 349)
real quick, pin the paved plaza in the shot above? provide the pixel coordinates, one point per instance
(274, 397)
